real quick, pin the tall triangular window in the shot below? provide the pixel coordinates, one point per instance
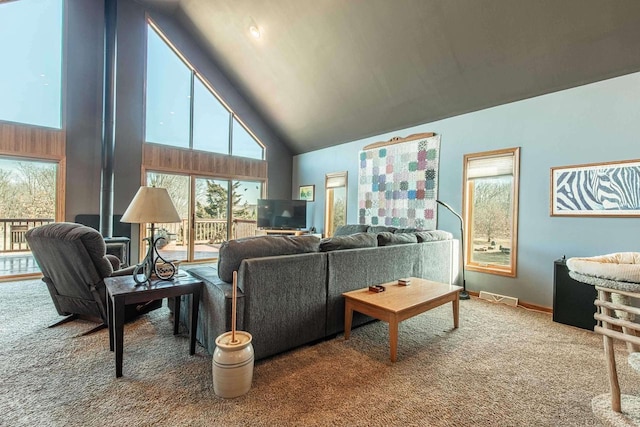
(182, 109)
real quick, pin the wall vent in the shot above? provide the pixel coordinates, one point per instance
(499, 298)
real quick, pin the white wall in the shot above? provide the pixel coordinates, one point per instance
(599, 122)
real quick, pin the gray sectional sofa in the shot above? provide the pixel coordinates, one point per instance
(290, 288)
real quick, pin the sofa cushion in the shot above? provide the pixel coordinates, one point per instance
(430, 236)
(234, 251)
(345, 230)
(380, 229)
(352, 241)
(387, 239)
(406, 230)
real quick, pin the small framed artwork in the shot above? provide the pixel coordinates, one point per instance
(598, 189)
(307, 192)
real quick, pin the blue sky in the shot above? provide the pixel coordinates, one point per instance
(168, 107)
(30, 83)
(31, 71)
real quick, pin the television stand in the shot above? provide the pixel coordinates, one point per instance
(278, 231)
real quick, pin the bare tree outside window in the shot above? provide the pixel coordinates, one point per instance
(492, 218)
(27, 189)
(177, 186)
(339, 208)
(28, 193)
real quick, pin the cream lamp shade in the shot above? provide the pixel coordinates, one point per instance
(151, 205)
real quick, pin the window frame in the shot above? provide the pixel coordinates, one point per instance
(467, 191)
(333, 181)
(190, 230)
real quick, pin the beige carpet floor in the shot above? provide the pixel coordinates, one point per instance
(504, 366)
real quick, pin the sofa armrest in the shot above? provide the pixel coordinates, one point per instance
(124, 271)
(114, 260)
(214, 316)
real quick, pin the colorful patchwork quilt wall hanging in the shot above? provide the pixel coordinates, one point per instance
(398, 184)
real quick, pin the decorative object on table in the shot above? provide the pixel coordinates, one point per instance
(233, 357)
(463, 293)
(376, 288)
(165, 268)
(307, 192)
(398, 182)
(598, 189)
(404, 282)
(152, 205)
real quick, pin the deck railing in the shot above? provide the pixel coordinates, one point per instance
(13, 232)
(206, 231)
(209, 230)
(244, 228)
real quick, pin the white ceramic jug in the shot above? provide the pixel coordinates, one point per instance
(232, 364)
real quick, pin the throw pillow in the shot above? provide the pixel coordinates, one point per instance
(380, 228)
(430, 236)
(234, 251)
(387, 239)
(406, 230)
(352, 241)
(345, 230)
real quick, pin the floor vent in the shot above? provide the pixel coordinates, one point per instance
(499, 298)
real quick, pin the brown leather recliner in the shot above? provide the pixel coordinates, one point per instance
(73, 261)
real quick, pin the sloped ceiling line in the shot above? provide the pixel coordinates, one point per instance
(330, 72)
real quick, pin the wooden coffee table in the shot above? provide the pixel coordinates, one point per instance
(398, 303)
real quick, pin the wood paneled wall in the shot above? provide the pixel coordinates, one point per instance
(32, 141)
(171, 159)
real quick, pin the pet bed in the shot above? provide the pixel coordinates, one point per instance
(617, 279)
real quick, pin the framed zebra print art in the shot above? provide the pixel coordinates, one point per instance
(600, 189)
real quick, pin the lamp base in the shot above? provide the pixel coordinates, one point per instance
(464, 295)
(150, 268)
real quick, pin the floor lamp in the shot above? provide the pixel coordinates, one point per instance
(463, 293)
(152, 205)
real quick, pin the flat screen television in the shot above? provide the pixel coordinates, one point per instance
(282, 214)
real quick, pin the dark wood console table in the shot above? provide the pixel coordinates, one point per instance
(573, 301)
(124, 290)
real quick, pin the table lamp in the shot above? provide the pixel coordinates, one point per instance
(152, 205)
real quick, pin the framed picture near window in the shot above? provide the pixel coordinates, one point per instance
(596, 189)
(307, 192)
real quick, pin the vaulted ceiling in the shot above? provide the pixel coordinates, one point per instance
(325, 72)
